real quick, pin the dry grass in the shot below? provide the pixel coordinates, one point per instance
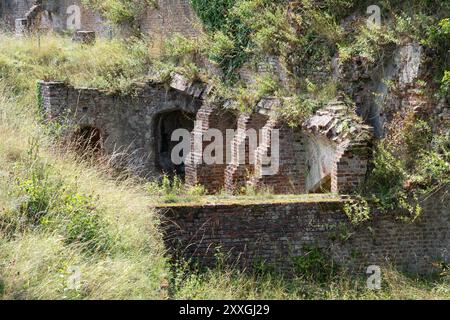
(34, 263)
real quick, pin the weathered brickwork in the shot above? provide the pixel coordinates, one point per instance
(198, 172)
(277, 233)
(241, 166)
(350, 166)
(290, 176)
(127, 124)
(339, 148)
(320, 157)
(168, 18)
(14, 9)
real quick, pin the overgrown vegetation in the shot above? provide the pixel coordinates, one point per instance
(328, 283)
(121, 12)
(410, 164)
(58, 212)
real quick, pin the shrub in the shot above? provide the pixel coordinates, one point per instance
(314, 265)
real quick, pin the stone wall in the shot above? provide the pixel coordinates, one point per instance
(127, 123)
(276, 233)
(54, 15)
(167, 18)
(10, 10)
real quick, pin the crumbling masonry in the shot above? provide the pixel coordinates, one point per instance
(330, 152)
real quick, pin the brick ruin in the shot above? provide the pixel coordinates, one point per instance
(165, 18)
(278, 233)
(328, 154)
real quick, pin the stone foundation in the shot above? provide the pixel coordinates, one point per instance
(276, 233)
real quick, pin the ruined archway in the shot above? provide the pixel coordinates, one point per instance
(165, 124)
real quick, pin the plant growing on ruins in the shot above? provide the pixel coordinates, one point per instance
(113, 65)
(173, 190)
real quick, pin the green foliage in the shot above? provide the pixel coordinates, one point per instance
(314, 265)
(433, 165)
(120, 11)
(180, 48)
(295, 110)
(108, 64)
(173, 190)
(213, 14)
(46, 201)
(81, 223)
(445, 83)
(357, 210)
(408, 167)
(229, 34)
(370, 43)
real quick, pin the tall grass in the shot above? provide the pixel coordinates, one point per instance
(58, 212)
(108, 64)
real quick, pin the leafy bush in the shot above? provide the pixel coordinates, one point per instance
(121, 11)
(314, 265)
(108, 64)
(47, 202)
(227, 30)
(357, 210)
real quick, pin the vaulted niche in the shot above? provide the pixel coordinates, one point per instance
(166, 124)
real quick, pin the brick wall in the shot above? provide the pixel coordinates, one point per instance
(291, 173)
(14, 9)
(305, 157)
(169, 17)
(350, 166)
(243, 150)
(127, 123)
(277, 233)
(338, 149)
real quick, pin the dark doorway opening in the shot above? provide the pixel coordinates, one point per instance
(88, 140)
(166, 124)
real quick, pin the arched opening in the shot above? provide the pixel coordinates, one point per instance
(88, 140)
(166, 124)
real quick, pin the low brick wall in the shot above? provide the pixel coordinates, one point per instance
(276, 233)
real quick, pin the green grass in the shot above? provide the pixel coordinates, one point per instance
(58, 212)
(108, 64)
(229, 284)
